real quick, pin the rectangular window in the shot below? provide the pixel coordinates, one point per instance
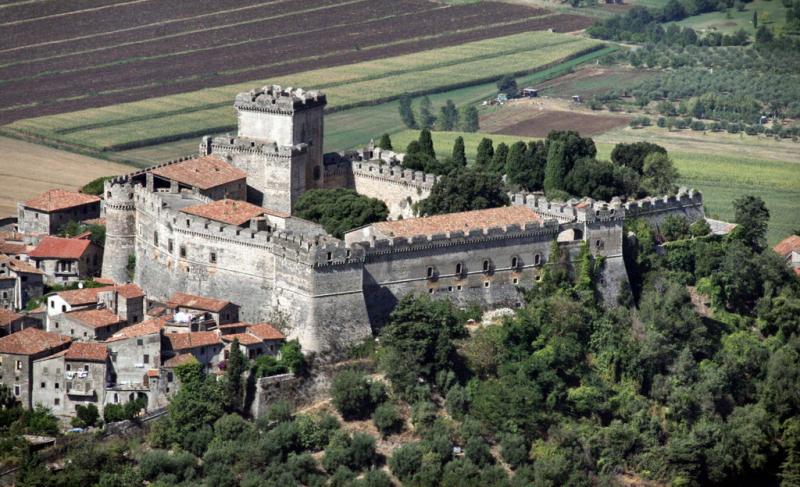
(170, 245)
(55, 385)
(69, 367)
(16, 390)
(86, 367)
(146, 359)
(19, 364)
(56, 401)
(213, 257)
(139, 342)
(183, 251)
(44, 385)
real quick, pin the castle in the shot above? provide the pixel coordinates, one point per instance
(221, 224)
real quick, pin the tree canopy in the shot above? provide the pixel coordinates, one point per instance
(340, 210)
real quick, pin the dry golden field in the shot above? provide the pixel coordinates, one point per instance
(27, 169)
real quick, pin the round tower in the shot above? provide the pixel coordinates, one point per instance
(120, 229)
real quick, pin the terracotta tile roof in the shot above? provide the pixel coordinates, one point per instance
(197, 302)
(7, 235)
(797, 271)
(138, 330)
(230, 326)
(81, 296)
(464, 221)
(232, 212)
(12, 248)
(129, 291)
(266, 331)
(178, 360)
(104, 280)
(156, 311)
(60, 199)
(788, 245)
(244, 338)
(94, 318)
(202, 172)
(152, 373)
(20, 266)
(93, 352)
(7, 317)
(60, 248)
(31, 341)
(188, 341)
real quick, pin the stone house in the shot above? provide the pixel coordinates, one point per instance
(65, 301)
(205, 346)
(19, 283)
(47, 213)
(789, 250)
(10, 322)
(18, 351)
(65, 260)
(134, 350)
(126, 301)
(208, 176)
(88, 324)
(222, 312)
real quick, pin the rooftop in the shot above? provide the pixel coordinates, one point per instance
(20, 266)
(453, 222)
(187, 341)
(232, 212)
(203, 172)
(60, 248)
(244, 338)
(788, 245)
(138, 330)
(128, 291)
(265, 331)
(7, 317)
(92, 352)
(181, 359)
(77, 297)
(12, 248)
(95, 318)
(31, 341)
(60, 199)
(191, 301)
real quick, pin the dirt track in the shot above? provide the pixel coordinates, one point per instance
(28, 169)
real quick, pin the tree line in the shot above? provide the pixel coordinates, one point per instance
(449, 118)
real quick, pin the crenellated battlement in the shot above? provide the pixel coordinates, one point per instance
(394, 174)
(245, 145)
(586, 210)
(275, 99)
(657, 204)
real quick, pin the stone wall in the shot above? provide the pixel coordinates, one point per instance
(687, 203)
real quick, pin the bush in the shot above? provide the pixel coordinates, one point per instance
(514, 450)
(267, 366)
(281, 411)
(700, 228)
(356, 452)
(123, 412)
(457, 401)
(95, 186)
(354, 396)
(316, 432)
(477, 451)
(406, 461)
(86, 416)
(423, 415)
(387, 419)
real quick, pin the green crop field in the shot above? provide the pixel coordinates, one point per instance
(721, 178)
(770, 13)
(175, 117)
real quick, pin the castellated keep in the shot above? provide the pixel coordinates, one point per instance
(221, 224)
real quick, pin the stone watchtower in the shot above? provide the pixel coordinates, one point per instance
(120, 228)
(278, 145)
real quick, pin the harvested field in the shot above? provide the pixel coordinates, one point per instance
(595, 80)
(104, 54)
(34, 169)
(540, 124)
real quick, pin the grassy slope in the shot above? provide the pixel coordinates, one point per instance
(721, 176)
(719, 21)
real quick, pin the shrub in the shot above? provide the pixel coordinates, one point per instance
(387, 419)
(281, 411)
(423, 415)
(514, 450)
(354, 396)
(356, 452)
(700, 228)
(406, 461)
(457, 401)
(86, 416)
(477, 451)
(315, 432)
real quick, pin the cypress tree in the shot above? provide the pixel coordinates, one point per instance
(413, 147)
(426, 116)
(515, 164)
(459, 156)
(426, 143)
(235, 367)
(755, 19)
(449, 118)
(485, 153)
(406, 113)
(499, 160)
(555, 169)
(385, 142)
(535, 160)
(469, 119)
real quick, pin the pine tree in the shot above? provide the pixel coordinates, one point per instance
(426, 143)
(499, 159)
(449, 118)
(469, 119)
(515, 164)
(386, 142)
(555, 169)
(485, 154)
(406, 113)
(426, 116)
(459, 155)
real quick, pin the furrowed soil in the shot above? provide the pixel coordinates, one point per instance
(34, 169)
(81, 54)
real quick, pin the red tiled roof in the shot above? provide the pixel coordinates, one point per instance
(187, 341)
(797, 271)
(464, 221)
(95, 318)
(20, 266)
(244, 338)
(31, 341)
(266, 331)
(233, 325)
(59, 199)
(10, 235)
(60, 248)
(178, 360)
(232, 212)
(129, 291)
(153, 373)
(788, 245)
(93, 352)
(12, 248)
(104, 280)
(202, 172)
(7, 317)
(81, 296)
(197, 302)
(140, 329)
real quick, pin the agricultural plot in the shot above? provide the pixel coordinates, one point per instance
(722, 174)
(165, 119)
(108, 54)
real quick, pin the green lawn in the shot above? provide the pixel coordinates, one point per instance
(721, 178)
(771, 13)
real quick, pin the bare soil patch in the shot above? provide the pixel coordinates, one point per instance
(28, 169)
(540, 124)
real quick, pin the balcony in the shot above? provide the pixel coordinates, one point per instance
(79, 383)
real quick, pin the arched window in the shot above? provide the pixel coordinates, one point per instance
(430, 272)
(459, 269)
(515, 262)
(537, 259)
(487, 266)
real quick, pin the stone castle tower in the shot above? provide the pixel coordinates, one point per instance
(278, 145)
(120, 228)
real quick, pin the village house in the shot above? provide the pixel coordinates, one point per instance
(135, 350)
(65, 260)
(88, 324)
(19, 283)
(18, 351)
(789, 250)
(10, 322)
(125, 301)
(49, 212)
(205, 346)
(73, 300)
(220, 311)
